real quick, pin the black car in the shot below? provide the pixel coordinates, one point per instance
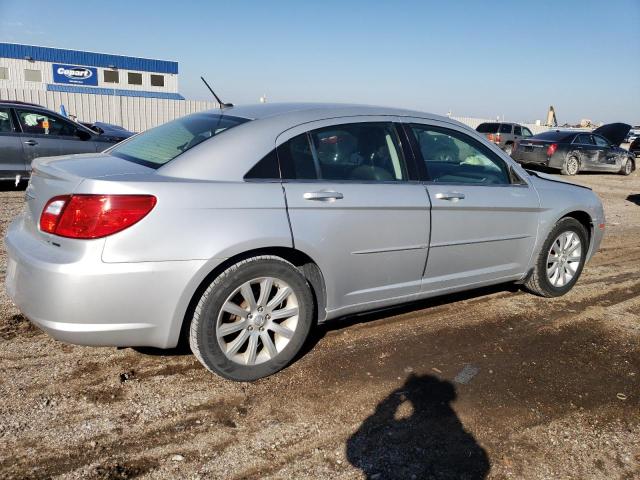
(575, 151)
(28, 131)
(635, 147)
(115, 133)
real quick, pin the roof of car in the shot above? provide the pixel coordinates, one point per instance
(320, 110)
(18, 102)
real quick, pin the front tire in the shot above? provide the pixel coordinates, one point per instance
(571, 166)
(560, 261)
(253, 319)
(628, 167)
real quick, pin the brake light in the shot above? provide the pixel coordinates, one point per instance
(93, 216)
(551, 149)
(497, 138)
(490, 137)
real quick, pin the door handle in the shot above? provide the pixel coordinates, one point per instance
(451, 196)
(323, 196)
(31, 143)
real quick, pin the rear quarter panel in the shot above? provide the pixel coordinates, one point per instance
(198, 220)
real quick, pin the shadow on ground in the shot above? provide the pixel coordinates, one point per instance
(415, 433)
(634, 197)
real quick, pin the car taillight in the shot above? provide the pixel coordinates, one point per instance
(497, 138)
(93, 216)
(490, 137)
(551, 149)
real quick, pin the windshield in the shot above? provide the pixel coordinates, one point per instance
(162, 144)
(488, 128)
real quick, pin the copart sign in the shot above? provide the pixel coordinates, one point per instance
(75, 74)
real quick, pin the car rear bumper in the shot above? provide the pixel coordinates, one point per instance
(526, 159)
(86, 301)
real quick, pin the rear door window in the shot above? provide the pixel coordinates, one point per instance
(162, 144)
(584, 139)
(517, 130)
(34, 122)
(505, 128)
(356, 152)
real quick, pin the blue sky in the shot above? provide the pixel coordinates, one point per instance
(511, 58)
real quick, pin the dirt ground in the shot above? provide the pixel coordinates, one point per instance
(494, 383)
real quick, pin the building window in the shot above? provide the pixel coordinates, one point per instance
(157, 80)
(111, 76)
(4, 73)
(32, 75)
(135, 78)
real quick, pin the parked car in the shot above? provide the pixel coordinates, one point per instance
(575, 151)
(504, 134)
(634, 147)
(631, 136)
(115, 133)
(29, 131)
(243, 228)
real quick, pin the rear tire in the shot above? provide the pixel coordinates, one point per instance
(265, 306)
(571, 166)
(628, 167)
(544, 280)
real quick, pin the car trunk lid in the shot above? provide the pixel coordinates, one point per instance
(532, 150)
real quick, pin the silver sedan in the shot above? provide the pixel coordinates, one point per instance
(241, 229)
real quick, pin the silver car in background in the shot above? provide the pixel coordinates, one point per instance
(242, 228)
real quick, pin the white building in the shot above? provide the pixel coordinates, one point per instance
(137, 93)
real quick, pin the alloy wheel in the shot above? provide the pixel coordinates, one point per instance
(257, 321)
(564, 258)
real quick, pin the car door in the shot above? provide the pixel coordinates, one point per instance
(12, 160)
(356, 207)
(45, 134)
(587, 150)
(609, 157)
(484, 216)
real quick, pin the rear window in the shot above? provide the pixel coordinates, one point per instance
(488, 128)
(162, 144)
(554, 136)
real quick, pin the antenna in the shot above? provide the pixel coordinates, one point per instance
(220, 102)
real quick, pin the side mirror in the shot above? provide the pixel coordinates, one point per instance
(82, 135)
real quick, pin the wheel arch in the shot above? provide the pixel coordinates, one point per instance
(585, 220)
(307, 266)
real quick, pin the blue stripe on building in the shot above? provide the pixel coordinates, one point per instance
(113, 91)
(77, 57)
